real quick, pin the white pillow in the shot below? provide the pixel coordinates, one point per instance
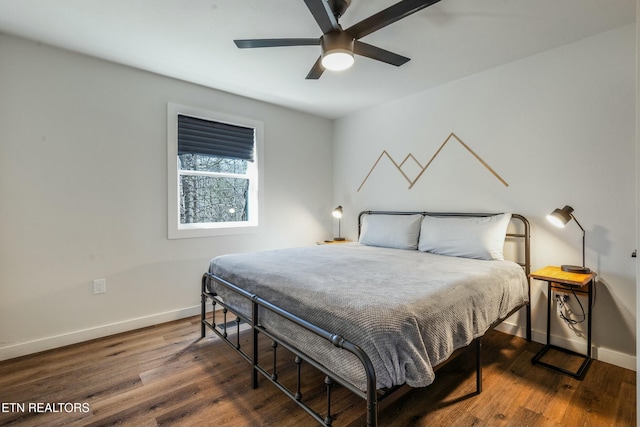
(469, 237)
(391, 231)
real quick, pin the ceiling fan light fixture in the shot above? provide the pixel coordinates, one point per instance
(337, 51)
(337, 60)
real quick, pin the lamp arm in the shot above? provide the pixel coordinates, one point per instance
(583, 237)
(574, 218)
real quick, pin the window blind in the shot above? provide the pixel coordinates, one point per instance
(211, 138)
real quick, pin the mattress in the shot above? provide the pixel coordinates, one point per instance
(408, 310)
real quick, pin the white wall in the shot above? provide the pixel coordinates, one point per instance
(83, 195)
(559, 127)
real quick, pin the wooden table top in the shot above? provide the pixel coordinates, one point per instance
(552, 273)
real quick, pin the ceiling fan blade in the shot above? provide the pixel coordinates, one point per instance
(323, 15)
(388, 16)
(316, 71)
(379, 54)
(251, 43)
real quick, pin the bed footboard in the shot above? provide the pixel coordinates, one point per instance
(371, 395)
(258, 304)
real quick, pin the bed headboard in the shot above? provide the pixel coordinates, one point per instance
(517, 233)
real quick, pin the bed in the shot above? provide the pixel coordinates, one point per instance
(380, 313)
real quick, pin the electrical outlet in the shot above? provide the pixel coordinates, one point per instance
(100, 286)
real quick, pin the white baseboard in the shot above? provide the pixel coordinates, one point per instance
(603, 354)
(21, 349)
(48, 343)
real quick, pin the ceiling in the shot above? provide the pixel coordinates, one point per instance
(192, 40)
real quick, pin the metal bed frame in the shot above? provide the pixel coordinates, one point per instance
(371, 395)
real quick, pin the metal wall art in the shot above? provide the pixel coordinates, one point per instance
(410, 156)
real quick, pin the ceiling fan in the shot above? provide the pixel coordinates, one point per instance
(338, 45)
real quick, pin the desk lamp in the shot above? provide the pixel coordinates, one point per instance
(559, 218)
(337, 212)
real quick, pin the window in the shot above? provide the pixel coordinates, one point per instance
(213, 163)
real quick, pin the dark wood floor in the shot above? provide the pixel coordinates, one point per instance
(167, 375)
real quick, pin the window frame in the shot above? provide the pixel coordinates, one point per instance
(179, 231)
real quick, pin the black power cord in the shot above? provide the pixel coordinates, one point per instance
(565, 308)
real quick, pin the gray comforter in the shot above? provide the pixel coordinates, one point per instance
(408, 310)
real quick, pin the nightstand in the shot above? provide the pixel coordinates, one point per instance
(561, 281)
(329, 242)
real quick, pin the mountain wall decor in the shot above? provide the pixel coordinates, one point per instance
(424, 168)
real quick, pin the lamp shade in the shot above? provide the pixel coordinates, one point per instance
(560, 217)
(337, 212)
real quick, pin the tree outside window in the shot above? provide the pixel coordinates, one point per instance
(214, 194)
